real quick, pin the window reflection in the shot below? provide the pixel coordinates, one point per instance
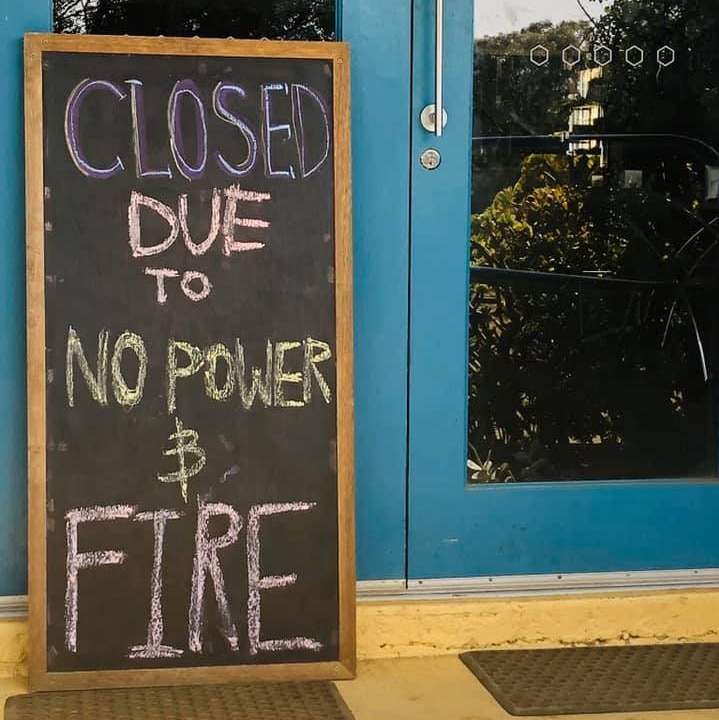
(595, 241)
(272, 19)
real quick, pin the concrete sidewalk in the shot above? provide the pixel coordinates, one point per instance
(436, 688)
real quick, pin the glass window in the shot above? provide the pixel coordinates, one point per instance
(595, 241)
(272, 19)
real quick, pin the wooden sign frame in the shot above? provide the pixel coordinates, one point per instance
(36, 45)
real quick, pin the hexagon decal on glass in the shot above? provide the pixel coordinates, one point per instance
(666, 56)
(603, 55)
(539, 55)
(634, 56)
(571, 55)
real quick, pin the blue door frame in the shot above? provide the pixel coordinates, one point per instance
(379, 33)
(514, 529)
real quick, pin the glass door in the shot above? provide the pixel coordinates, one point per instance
(564, 288)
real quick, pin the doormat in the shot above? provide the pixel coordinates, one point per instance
(260, 701)
(600, 679)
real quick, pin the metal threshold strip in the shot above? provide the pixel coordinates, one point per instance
(559, 584)
(508, 585)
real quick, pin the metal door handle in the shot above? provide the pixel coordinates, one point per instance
(434, 117)
(439, 69)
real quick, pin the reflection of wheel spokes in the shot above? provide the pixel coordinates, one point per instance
(682, 277)
(697, 335)
(705, 226)
(641, 235)
(699, 232)
(668, 323)
(702, 257)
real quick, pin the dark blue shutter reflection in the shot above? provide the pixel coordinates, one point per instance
(249, 19)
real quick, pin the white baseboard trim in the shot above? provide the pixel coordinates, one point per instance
(15, 606)
(368, 590)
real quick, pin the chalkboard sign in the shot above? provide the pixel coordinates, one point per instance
(190, 361)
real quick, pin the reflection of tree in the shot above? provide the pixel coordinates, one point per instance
(516, 98)
(72, 16)
(281, 19)
(513, 97)
(569, 378)
(683, 98)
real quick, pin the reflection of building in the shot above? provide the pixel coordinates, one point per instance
(583, 118)
(585, 78)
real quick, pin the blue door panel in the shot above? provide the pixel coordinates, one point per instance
(584, 527)
(456, 531)
(380, 34)
(16, 18)
(439, 272)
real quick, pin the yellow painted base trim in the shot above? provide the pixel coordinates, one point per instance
(13, 648)
(417, 628)
(437, 627)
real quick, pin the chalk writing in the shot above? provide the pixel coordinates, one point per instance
(281, 376)
(191, 514)
(233, 196)
(219, 100)
(72, 130)
(154, 647)
(256, 582)
(139, 134)
(268, 130)
(212, 355)
(175, 371)
(267, 383)
(76, 561)
(205, 562)
(195, 295)
(186, 443)
(137, 200)
(258, 384)
(160, 274)
(124, 394)
(260, 134)
(187, 89)
(226, 223)
(299, 125)
(311, 362)
(96, 384)
(200, 248)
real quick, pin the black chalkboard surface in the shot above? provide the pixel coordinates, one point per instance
(189, 319)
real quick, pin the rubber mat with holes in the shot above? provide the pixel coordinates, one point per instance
(600, 679)
(261, 701)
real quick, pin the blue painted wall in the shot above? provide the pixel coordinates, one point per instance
(16, 18)
(380, 36)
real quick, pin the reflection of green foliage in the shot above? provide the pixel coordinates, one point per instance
(683, 98)
(558, 375)
(538, 224)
